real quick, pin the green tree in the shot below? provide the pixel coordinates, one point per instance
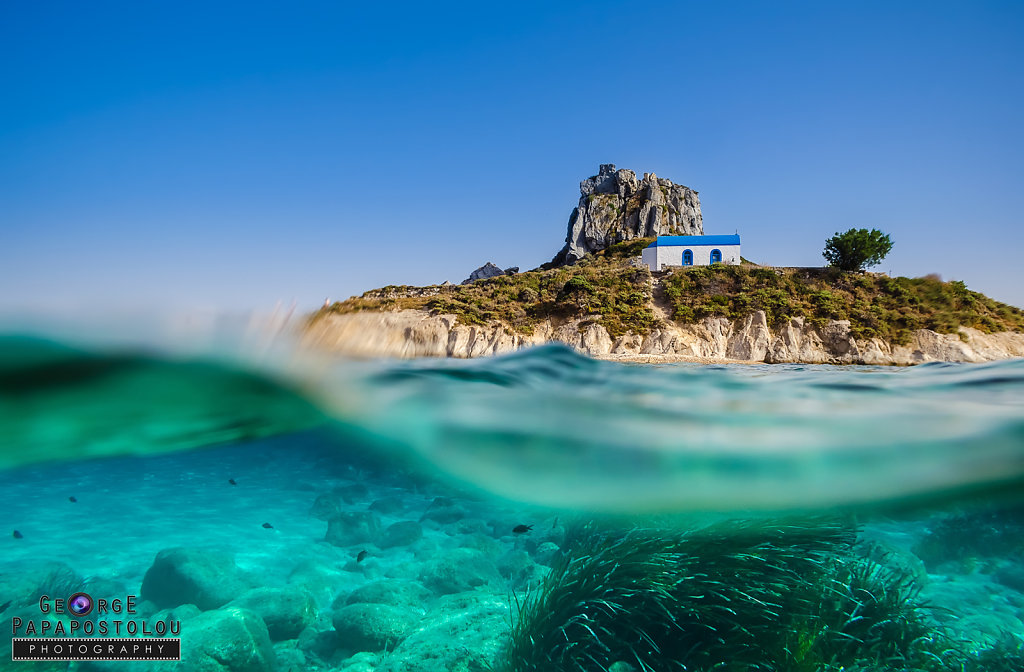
(857, 249)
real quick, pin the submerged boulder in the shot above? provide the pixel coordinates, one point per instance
(459, 570)
(402, 533)
(228, 640)
(207, 579)
(286, 611)
(353, 527)
(395, 592)
(373, 627)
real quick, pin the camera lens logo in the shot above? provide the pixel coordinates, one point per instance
(80, 604)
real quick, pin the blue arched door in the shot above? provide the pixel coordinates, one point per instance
(716, 256)
(687, 257)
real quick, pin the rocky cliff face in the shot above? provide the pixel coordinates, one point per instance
(414, 333)
(615, 206)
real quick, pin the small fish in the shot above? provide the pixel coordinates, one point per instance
(72, 499)
(522, 529)
(3, 607)
(554, 524)
(232, 481)
(18, 535)
(268, 526)
(361, 556)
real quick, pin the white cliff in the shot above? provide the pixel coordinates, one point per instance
(416, 333)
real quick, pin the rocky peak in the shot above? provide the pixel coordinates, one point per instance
(615, 206)
(488, 270)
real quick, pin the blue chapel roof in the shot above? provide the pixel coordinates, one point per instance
(669, 241)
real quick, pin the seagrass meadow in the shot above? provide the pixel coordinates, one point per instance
(781, 596)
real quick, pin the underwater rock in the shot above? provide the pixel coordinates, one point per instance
(402, 533)
(228, 640)
(328, 506)
(180, 613)
(962, 539)
(373, 627)
(1011, 575)
(548, 553)
(513, 561)
(207, 579)
(394, 592)
(473, 526)
(290, 658)
(463, 632)
(353, 493)
(323, 581)
(286, 611)
(388, 505)
(444, 511)
(982, 610)
(354, 527)
(318, 642)
(363, 661)
(520, 569)
(459, 570)
(221, 640)
(480, 541)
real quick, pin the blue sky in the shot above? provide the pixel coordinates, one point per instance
(174, 155)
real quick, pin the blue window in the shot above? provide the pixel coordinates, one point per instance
(687, 257)
(716, 257)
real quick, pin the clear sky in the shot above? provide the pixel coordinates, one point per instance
(233, 155)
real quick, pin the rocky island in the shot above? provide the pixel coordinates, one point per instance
(597, 297)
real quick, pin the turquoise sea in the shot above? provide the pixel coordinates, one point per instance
(536, 511)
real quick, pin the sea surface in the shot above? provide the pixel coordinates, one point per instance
(443, 515)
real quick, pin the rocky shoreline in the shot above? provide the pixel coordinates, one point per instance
(417, 333)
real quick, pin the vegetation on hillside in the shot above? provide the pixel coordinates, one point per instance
(875, 304)
(606, 289)
(602, 288)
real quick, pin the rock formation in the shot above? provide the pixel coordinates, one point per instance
(417, 333)
(488, 270)
(615, 206)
